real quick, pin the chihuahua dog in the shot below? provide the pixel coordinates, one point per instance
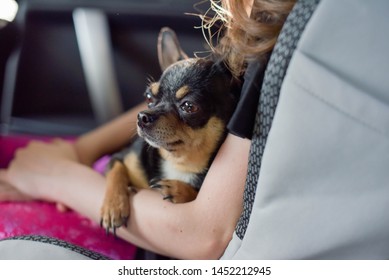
(180, 133)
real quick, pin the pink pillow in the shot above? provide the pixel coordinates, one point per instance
(8, 145)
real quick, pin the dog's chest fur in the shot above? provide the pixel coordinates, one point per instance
(169, 171)
(145, 163)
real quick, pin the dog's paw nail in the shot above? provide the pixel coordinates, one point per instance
(156, 186)
(101, 222)
(125, 221)
(154, 180)
(168, 197)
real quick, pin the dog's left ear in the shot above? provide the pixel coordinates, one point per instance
(169, 49)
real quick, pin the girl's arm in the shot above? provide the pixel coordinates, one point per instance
(200, 229)
(108, 138)
(86, 150)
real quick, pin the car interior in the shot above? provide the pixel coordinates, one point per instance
(67, 66)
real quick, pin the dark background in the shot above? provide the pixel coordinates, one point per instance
(41, 78)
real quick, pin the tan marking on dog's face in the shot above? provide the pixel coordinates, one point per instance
(199, 145)
(154, 88)
(182, 92)
(138, 178)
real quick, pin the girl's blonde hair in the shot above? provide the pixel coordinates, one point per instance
(245, 37)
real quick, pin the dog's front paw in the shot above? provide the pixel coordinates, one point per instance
(115, 210)
(174, 191)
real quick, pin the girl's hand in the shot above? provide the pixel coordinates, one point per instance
(8, 192)
(36, 169)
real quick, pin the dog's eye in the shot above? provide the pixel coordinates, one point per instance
(189, 107)
(149, 99)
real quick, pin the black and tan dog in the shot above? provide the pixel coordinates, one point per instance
(180, 133)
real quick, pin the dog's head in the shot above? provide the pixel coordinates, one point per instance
(190, 105)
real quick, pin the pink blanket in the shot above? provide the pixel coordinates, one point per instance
(41, 218)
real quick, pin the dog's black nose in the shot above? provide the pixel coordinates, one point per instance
(146, 119)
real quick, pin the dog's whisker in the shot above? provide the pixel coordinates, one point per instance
(133, 129)
(150, 80)
(133, 133)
